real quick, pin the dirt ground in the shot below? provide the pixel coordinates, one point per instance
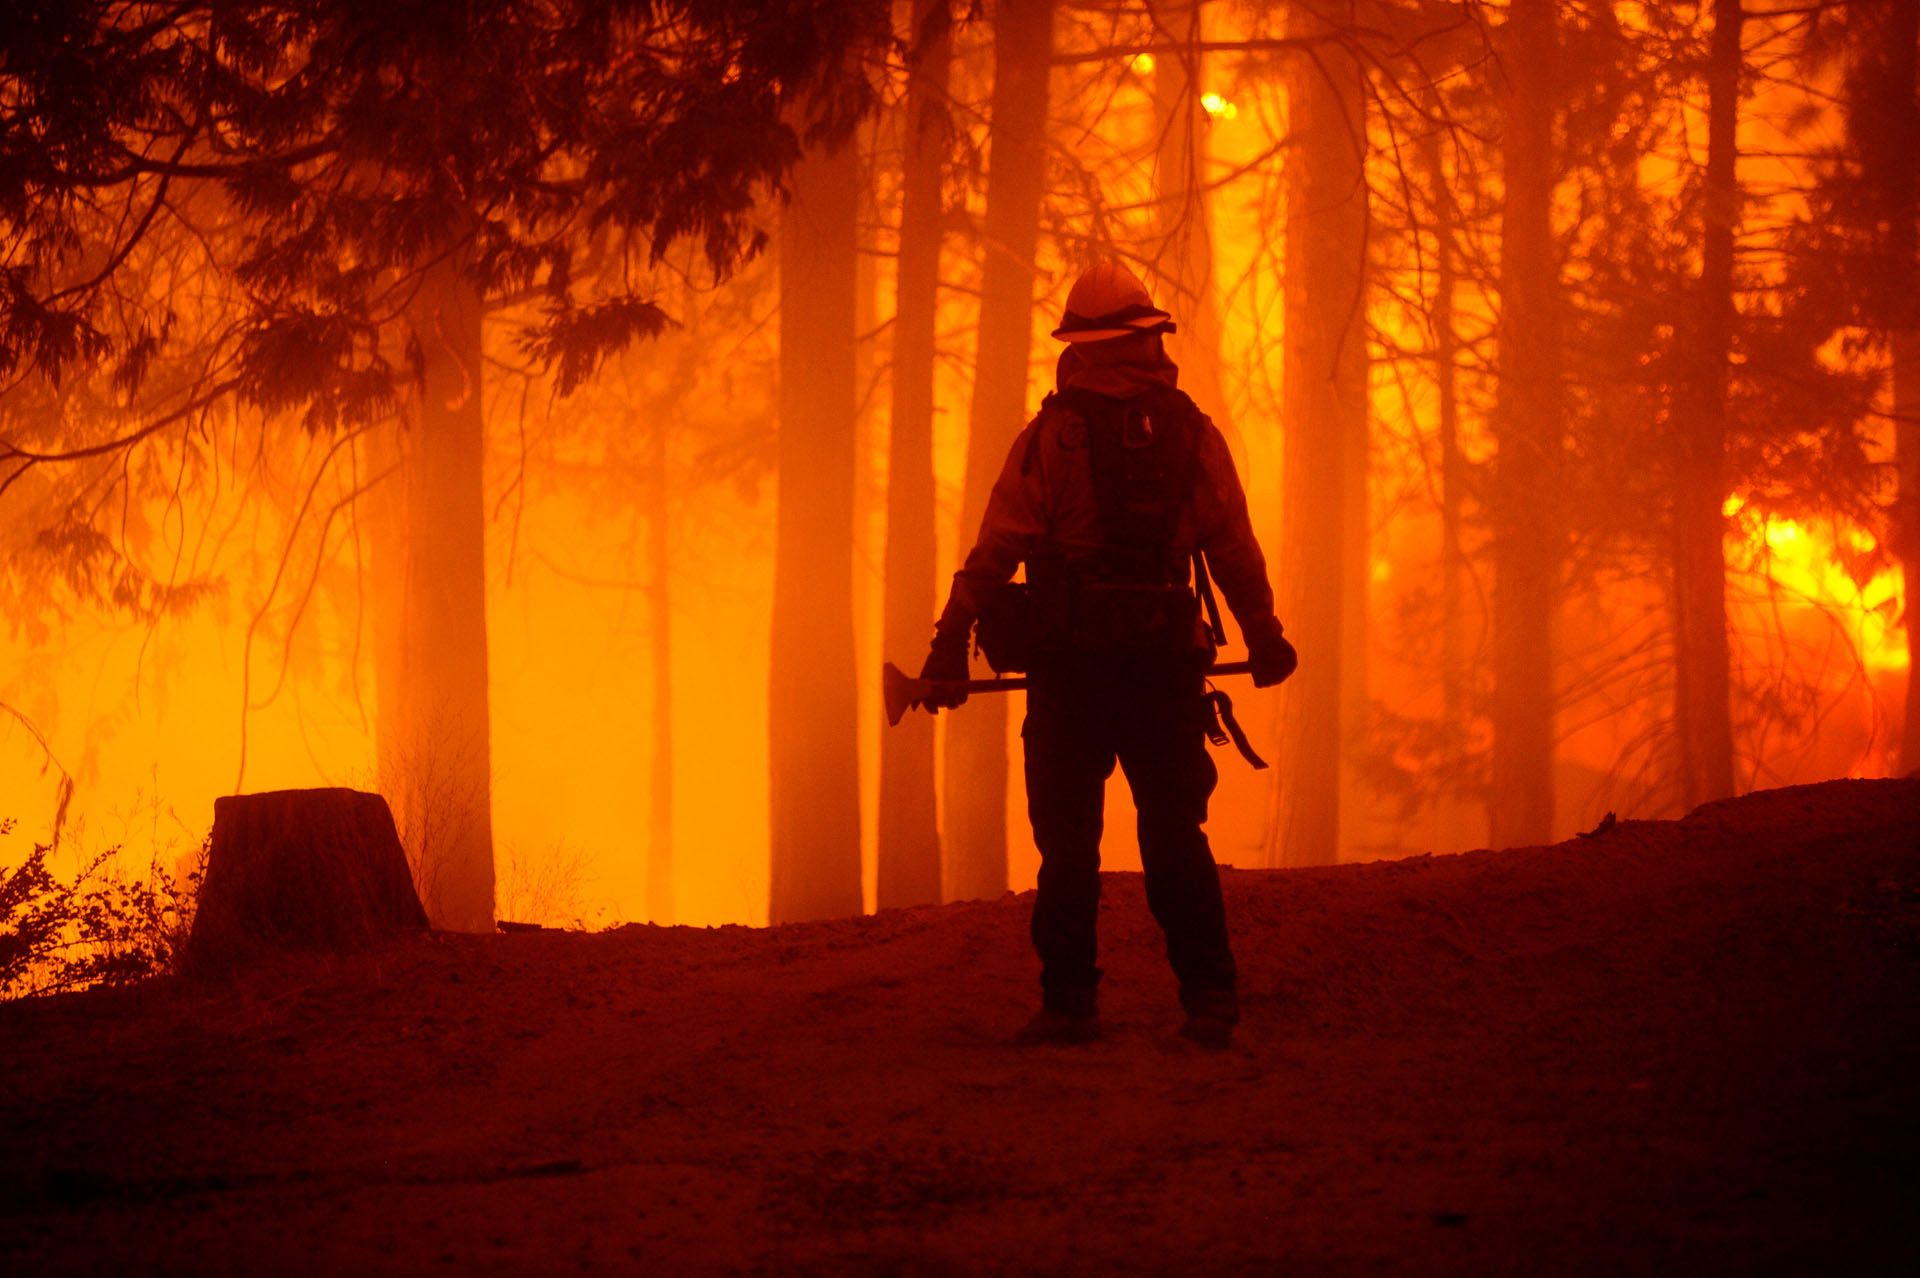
(1678, 1047)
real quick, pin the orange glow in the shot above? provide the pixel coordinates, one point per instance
(1215, 105)
(148, 716)
(1804, 565)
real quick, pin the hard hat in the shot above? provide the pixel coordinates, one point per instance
(1110, 301)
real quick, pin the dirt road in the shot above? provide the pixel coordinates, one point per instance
(1679, 1047)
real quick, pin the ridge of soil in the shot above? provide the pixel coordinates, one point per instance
(1678, 1046)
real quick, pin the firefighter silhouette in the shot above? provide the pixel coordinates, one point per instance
(1121, 500)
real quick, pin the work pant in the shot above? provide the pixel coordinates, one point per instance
(1150, 714)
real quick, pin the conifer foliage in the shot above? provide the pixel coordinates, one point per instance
(356, 140)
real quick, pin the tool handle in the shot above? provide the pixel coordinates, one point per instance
(1019, 683)
(902, 692)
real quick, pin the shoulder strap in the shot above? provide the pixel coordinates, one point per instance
(1203, 586)
(1176, 405)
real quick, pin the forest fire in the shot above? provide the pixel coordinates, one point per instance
(1811, 568)
(552, 416)
(214, 633)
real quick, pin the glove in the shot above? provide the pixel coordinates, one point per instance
(1270, 655)
(946, 663)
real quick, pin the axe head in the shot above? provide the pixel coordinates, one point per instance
(899, 691)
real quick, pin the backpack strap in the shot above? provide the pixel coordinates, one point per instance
(1203, 586)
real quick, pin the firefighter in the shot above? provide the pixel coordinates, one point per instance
(1116, 496)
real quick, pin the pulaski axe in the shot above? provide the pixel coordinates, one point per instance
(901, 692)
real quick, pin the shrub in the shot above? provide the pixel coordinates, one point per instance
(99, 929)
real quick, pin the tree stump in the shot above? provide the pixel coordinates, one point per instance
(300, 870)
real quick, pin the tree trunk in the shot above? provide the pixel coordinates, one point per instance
(1186, 248)
(813, 722)
(1322, 544)
(660, 903)
(1904, 213)
(1527, 428)
(1701, 682)
(384, 523)
(909, 836)
(976, 764)
(1453, 487)
(1906, 411)
(435, 756)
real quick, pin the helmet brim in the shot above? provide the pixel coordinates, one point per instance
(1159, 322)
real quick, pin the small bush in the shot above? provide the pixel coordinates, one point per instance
(98, 929)
(549, 890)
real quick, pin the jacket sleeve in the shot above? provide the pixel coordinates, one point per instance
(1014, 522)
(1224, 530)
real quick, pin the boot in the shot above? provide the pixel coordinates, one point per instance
(1059, 1029)
(1065, 1017)
(1211, 1016)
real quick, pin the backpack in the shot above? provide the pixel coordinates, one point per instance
(1132, 597)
